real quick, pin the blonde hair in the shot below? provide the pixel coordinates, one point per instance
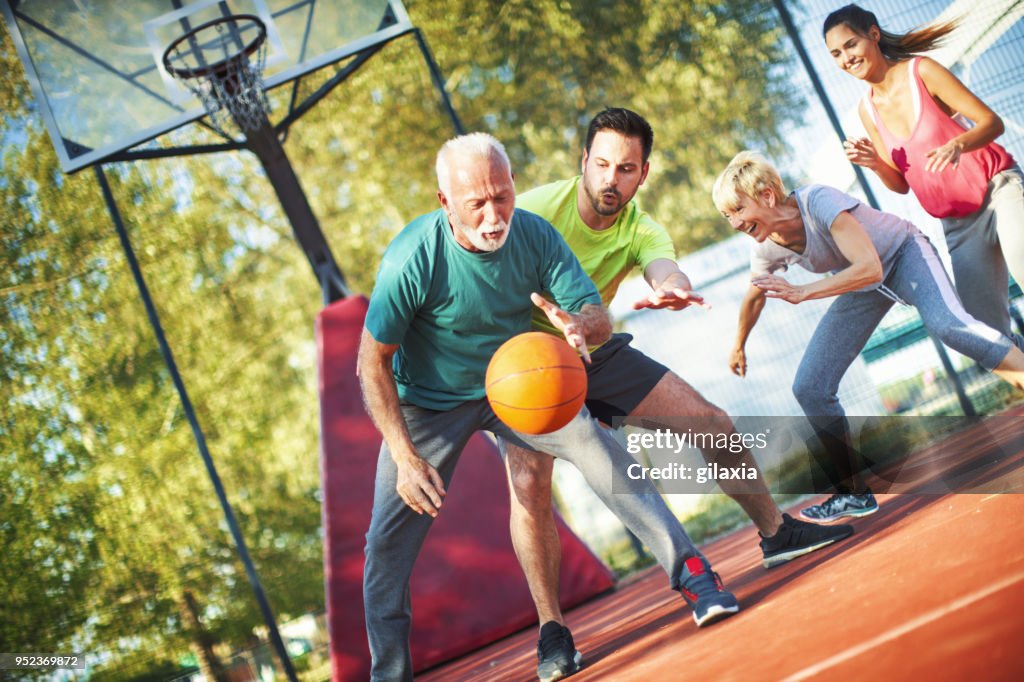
(748, 173)
(480, 145)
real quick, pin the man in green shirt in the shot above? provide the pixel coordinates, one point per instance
(609, 234)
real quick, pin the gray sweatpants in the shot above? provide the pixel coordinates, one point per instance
(397, 533)
(987, 245)
(916, 278)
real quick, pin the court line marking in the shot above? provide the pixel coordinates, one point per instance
(909, 626)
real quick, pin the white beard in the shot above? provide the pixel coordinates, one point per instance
(476, 237)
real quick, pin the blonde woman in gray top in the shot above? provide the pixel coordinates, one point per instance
(872, 260)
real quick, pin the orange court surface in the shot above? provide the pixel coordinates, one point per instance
(931, 587)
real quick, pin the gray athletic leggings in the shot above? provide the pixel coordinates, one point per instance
(985, 246)
(916, 278)
(397, 533)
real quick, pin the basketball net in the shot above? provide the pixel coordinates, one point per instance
(221, 62)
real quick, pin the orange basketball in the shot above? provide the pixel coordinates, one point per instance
(536, 383)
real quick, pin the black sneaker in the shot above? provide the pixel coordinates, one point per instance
(840, 505)
(556, 654)
(796, 538)
(703, 591)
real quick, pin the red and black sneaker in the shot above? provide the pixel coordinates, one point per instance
(703, 590)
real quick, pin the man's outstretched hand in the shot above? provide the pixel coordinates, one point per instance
(671, 298)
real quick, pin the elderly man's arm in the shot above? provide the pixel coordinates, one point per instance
(590, 326)
(594, 323)
(418, 483)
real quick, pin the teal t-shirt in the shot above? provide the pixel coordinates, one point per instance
(448, 309)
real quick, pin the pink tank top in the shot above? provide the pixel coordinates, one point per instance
(955, 192)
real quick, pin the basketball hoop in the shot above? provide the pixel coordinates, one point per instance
(213, 60)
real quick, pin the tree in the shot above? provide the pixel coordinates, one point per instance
(112, 538)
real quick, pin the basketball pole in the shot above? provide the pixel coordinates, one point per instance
(197, 431)
(819, 89)
(264, 143)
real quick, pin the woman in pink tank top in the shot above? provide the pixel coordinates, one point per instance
(917, 141)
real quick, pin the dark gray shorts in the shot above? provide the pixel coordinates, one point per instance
(619, 378)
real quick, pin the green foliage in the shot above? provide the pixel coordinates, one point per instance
(533, 73)
(107, 514)
(623, 559)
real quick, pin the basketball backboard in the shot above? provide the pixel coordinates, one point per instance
(97, 73)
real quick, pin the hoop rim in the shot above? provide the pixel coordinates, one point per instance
(216, 67)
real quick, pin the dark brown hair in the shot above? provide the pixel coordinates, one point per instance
(895, 46)
(626, 122)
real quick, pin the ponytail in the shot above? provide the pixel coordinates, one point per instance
(894, 46)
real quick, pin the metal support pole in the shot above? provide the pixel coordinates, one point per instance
(264, 144)
(1018, 320)
(435, 75)
(961, 393)
(794, 36)
(197, 432)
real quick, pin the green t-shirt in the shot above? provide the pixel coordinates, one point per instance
(449, 309)
(607, 256)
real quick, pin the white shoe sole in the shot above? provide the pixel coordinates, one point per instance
(839, 517)
(577, 660)
(772, 562)
(715, 614)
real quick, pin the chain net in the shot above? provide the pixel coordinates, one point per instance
(223, 72)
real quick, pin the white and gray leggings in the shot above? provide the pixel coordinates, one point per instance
(917, 278)
(985, 247)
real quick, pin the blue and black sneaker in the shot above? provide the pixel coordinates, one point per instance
(556, 654)
(841, 505)
(796, 538)
(703, 591)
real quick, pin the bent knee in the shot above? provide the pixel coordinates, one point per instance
(810, 394)
(530, 478)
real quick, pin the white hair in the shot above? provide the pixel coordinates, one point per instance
(481, 145)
